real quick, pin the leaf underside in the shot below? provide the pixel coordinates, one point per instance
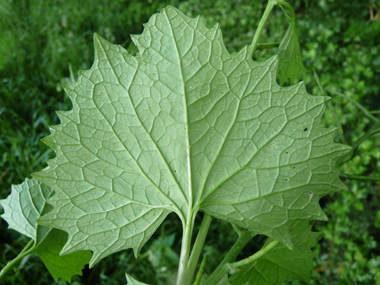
(22, 208)
(180, 127)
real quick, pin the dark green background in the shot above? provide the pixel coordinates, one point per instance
(41, 40)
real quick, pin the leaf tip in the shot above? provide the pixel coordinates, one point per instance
(320, 215)
(49, 141)
(96, 36)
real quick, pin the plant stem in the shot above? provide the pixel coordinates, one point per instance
(272, 3)
(288, 18)
(359, 177)
(200, 272)
(237, 230)
(28, 246)
(198, 245)
(259, 46)
(264, 18)
(26, 251)
(223, 267)
(267, 45)
(256, 256)
(360, 107)
(184, 257)
(283, 3)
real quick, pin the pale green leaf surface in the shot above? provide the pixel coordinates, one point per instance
(133, 281)
(289, 55)
(184, 126)
(282, 264)
(22, 208)
(24, 205)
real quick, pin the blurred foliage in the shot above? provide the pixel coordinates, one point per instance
(41, 40)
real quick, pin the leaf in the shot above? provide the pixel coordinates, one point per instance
(61, 266)
(180, 127)
(289, 56)
(282, 264)
(24, 205)
(22, 208)
(133, 281)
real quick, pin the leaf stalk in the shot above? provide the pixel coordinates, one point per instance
(271, 4)
(255, 256)
(237, 229)
(359, 177)
(223, 268)
(285, 4)
(252, 47)
(28, 249)
(200, 272)
(198, 246)
(184, 257)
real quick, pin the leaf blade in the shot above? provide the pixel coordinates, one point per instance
(22, 209)
(24, 205)
(274, 157)
(61, 266)
(282, 264)
(184, 126)
(289, 53)
(156, 198)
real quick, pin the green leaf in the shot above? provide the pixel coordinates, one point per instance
(184, 126)
(22, 208)
(289, 56)
(282, 264)
(61, 266)
(133, 281)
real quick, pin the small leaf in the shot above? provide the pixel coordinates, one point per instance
(24, 205)
(282, 264)
(289, 54)
(22, 208)
(133, 281)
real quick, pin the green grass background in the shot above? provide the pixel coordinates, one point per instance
(41, 40)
